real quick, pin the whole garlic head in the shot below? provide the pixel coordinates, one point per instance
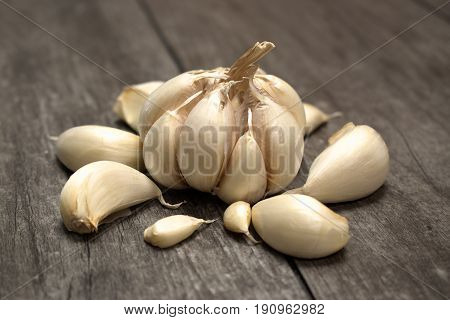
(235, 132)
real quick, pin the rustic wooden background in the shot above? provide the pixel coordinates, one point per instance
(400, 235)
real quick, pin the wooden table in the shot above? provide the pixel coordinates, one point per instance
(62, 63)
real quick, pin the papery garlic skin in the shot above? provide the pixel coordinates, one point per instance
(173, 93)
(81, 145)
(280, 138)
(300, 226)
(160, 151)
(316, 117)
(100, 189)
(283, 94)
(202, 155)
(354, 165)
(130, 101)
(172, 230)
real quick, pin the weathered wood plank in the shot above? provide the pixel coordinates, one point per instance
(400, 234)
(47, 88)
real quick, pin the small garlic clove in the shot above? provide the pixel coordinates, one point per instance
(237, 217)
(354, 165)
(169, 231)
(316, 117)
(300, 226)
(79, 146)
(100, 189)
(130, 101)
(245, 178)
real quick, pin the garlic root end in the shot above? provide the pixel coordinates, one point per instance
(251, 238)
(169, 205)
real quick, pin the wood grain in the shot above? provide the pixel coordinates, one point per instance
(400, 234)
(47, 88)
(400, 245)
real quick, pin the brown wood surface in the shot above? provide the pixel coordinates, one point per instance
(399, 246)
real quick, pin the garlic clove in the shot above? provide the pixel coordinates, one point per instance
(160, 147)
(130, 101)
(174, 93)
(283, 94)
(300, 226)
(100, 189)
(316, 117)
(169, 231)
(281, 141)
(79, 146)
(354, 165)
(245, 178)
(206, 140)
(341, 132)
(237, 217)
(280, 137)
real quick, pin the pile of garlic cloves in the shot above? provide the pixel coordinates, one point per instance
(236, 132)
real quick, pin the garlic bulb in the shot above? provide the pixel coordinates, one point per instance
(130, 101)
(79, 146)
(300, 226)
(235, 132)
(354, 165)
(316, 117)
(237, 217)
(100, 189)
(169, 231)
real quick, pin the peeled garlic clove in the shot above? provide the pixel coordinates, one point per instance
(300, 226)
(353, 166)
(172, 230)
(100, 189)
(245, 178)
(79, 146)
(316, 117)
(130, 101)
(237, 217)
(206, 140)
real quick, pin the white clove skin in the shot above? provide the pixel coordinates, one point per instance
(174, 93)
(300, 226)
(245, 178)
(316, 117)
(81, 145)
(131, 100)
(170, 231)
(215, 111)
(100, 189)
(280, 137)
(283, 94)
(237, 217)
(354, 165)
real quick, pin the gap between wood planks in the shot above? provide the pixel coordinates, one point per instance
(181, 68)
